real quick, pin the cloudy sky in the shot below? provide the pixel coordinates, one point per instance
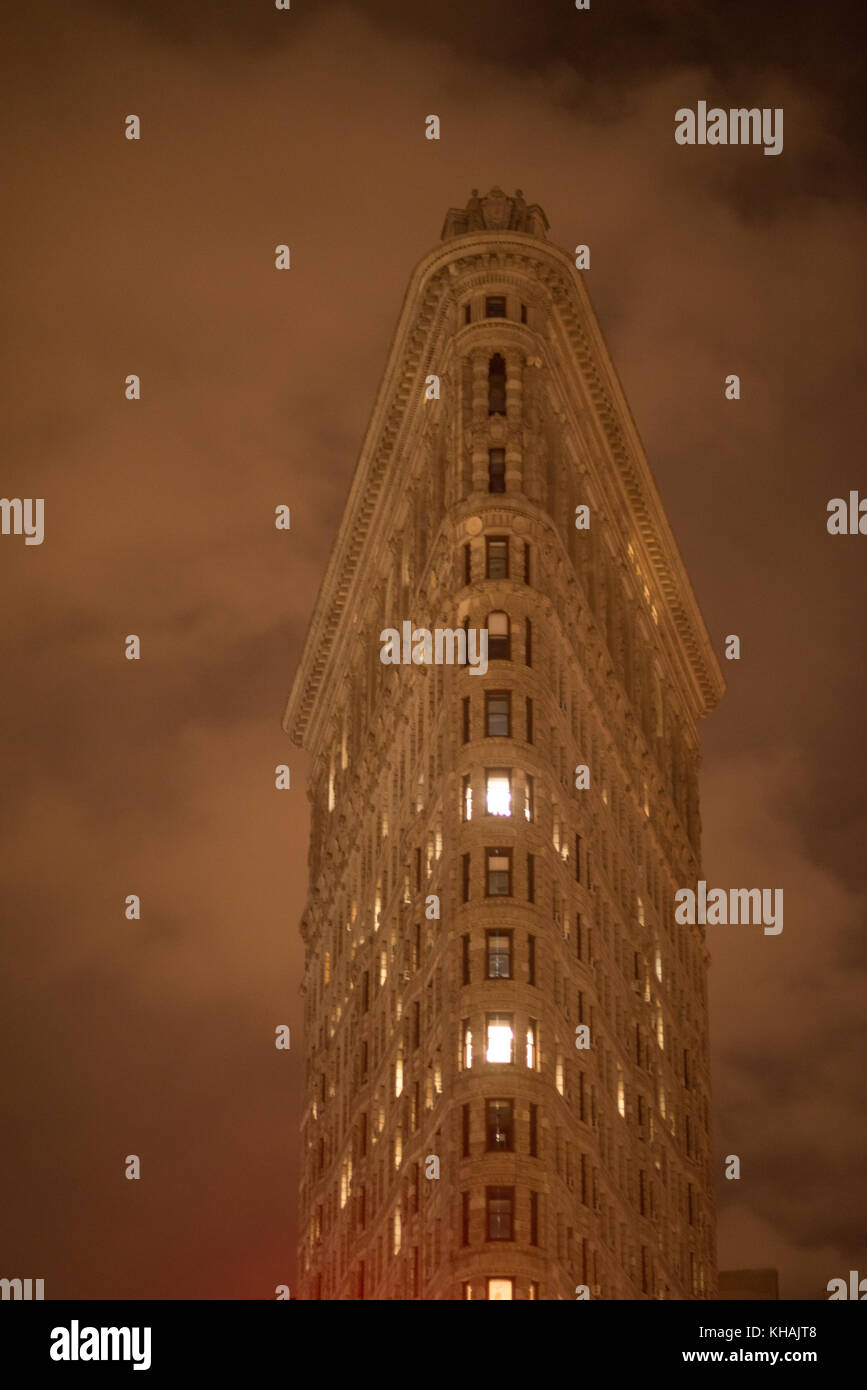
(156, 777)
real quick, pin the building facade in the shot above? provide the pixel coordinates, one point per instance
(506, 1083)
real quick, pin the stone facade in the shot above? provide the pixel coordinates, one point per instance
(434, 789)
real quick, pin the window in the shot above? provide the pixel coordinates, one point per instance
(529, 797)
(529, 719)
(496, 385)
(579, 928)
(500, 1126)
(465, 959)
(531, 960)
(465, 1218)
(532, 1044)
(365, 992)
(467, 1291)
(468, 564)
(465, 1131)
(467, 313)
(523, 313)
(496, 557)
(364, 1061)
(577, 858)
(499, 954)
(466, 799)
(527, 552)
(498, 877)
(533, 1289)
(496, 470)
(498, 791)
(465, 705)
(498, 713)
(501, 1290)
(500, 1038)
(534, 1218)
(528, 642)
(499, 636)
(500, 1203)
(467, 1044)
(465, 878)
(531, 878)
(534, 1131)
(416, 1025)
(495, 306)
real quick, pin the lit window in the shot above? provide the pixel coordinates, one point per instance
(500, 1203)
(398, 1077)
(326, 969)
(383, 967)
(396, 1247)
(498, 791)
(499, 955)
(468, 1291)
(467, 799)
(499, 873)
(499, 638)
(658, 965)
(398, 1150)
(558, 1081)
(529, 798)
(501, 1038)
(498, 713)
(467, 1046)
(501, 1290)
(621, 1096)
(438, 1078)
(532, 1045)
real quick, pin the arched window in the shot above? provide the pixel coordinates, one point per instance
(496, 385)
(499, 637)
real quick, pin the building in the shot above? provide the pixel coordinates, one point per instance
(476, 914)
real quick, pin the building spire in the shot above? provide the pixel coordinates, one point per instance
(496, 212)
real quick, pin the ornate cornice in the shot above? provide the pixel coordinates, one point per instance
(396, 416)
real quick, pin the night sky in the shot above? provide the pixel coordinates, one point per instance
(157, 777)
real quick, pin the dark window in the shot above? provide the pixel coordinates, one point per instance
(465, 705)
(465, 877)
(498, 877)
(579, 942)
(527, 556)
(362, 1133)
(418, 867)
(416, 1025)
(584, 1179)
(498, 713)
(465, 1218)
(364, 1061)
(534, 1131)
(578, 858)
(416, 950)
(523, 313)
(496, 557)
(528, 642)
(529, 719)
(496, 386)
(465, 1131)
(500, 1211)
(499, 954)
(500, 1126)
(642, 1194)
(534, 1218)
(531, 878)
(495, 306)
(499, 637)
(531, 960)
(365, 991)
(496, 470)
(467, 313)
(465, 959)
(468, 564)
